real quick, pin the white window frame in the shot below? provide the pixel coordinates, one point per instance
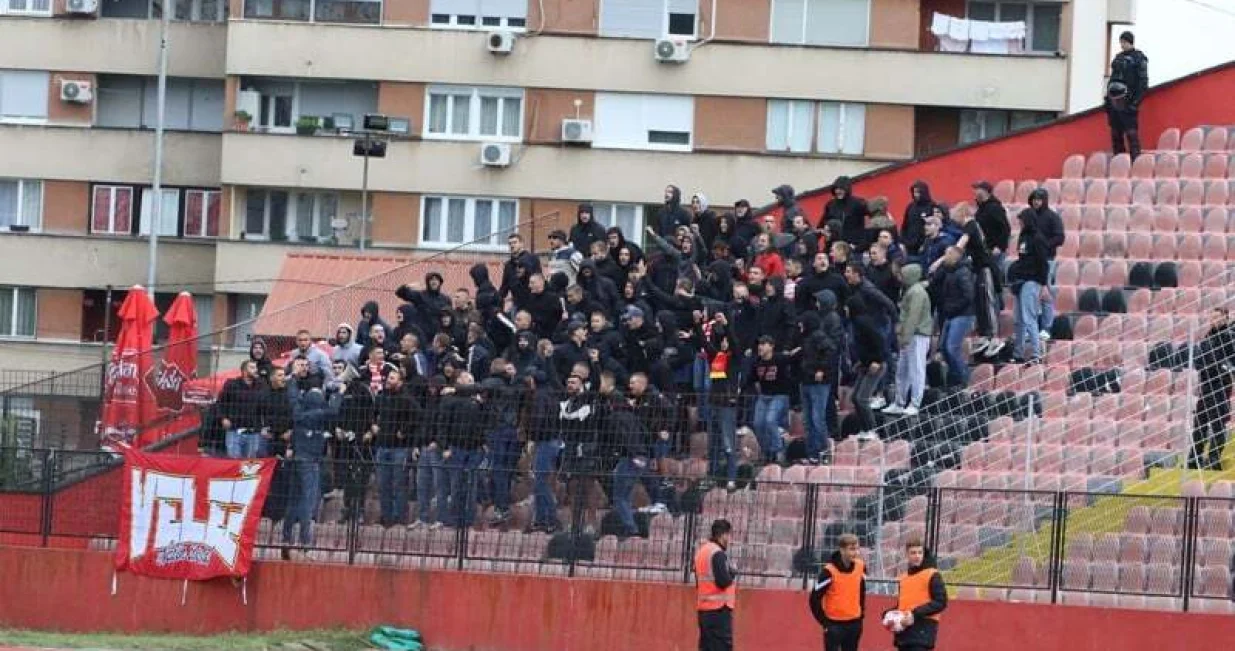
(206, 197)
(295, 111)
(664, 22)
(475, 96)
(16, 290)
(289, 233)
(322, 231)
(115, 191)
(1029, 19)
(24, 119)
(496, 243)
(503, 22)
(605, 212)
(27, 190)
(195, 12)
(603, 142)
(6, 9)
(802, 38)
(147, 212)
(794, 107)
(838, 148)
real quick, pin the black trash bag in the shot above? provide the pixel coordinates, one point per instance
(1089, 300)
(936, 375)
(566, 547)
(1141, 274)
(1166, 274)
(1114, 301)
(1061, 328)
(850, 425)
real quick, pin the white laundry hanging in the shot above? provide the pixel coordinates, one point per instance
(941, 27)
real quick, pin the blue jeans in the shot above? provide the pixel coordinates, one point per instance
(544, 463)
(769, 412)
(951, 338)
(392, 483)
(624, 477)
(429, 475)
(815, 399)
(1028, 311)
(307, 475)
(503, 457)
(246, 444)
(461, 470)
(1047, 317)
(723, 442)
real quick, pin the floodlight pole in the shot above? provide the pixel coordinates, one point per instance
(364, 193)
(156, 211)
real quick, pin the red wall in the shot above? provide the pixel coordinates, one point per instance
(457, 610)
(1200, 99)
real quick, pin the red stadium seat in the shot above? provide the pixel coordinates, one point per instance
(1143, 167)
(1215, 166)
(1169, 140)
(1164, 246)
(1096, 165)
(1168, 192)
(1189, 273)
(1140, 245)
(1166, 219)
(1215, 220)
(1116, 218)
(1119, 167)
(1192, 140)
(1095, 192)
(1115, 245)
(1215, 139)
(1190, 220)
(1067, 272)
(1074, 166)
(1071, 217)
(1191, 166)
(1192, 193)
(1215, 247)
(1023, 190)
(1119, 192)
(1005, 190)
(1217, 193)
(1143, 193)
(1115, 274)
(1166, 166)
(1190, 247)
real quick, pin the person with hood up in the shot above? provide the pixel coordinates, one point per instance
(838, 598)
(262, 364)
(1127, 86)
(913, 335)
(462, 426)
(353, 458)
(503, 400)
(520, 266)
(345, 347)
(488, 302)
(787, 201)
(1028, 277)
(407, 321)
(921, 206)
(922, 597)
(871, 365)
(530, 368)
(617, 240)
(850, 210)
(992, 217)
(369, 317)
(312, 417)
(586, 229)
(1051, 227)
(430, 302)
(598, 288)
(703, 219)
(952, 288)
(820, 355)
(672, 214)
(392, 434)
(987, 287)
(1215, 364)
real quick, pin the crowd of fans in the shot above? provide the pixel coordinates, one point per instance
(604, 355)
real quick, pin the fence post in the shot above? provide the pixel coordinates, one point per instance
(932, 517)
(1059, 520)
(1188, 573)
(809, 535)
(689, 533)
(106, 343)
(50, 460)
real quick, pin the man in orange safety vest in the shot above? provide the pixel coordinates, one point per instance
(716, 590)
(922, 598)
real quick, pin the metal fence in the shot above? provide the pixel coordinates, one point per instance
(1169, 553)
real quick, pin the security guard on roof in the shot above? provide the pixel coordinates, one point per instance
(838, 599)
(716, 590)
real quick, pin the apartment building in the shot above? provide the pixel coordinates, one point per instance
(571, 100)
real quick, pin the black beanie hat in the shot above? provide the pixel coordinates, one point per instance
(1127, 36)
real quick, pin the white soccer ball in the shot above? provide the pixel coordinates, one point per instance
(894, 620)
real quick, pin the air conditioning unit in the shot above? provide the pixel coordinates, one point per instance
(76, 92)
(671, 51)
(575, 130)
(82, 7)
(495, 154)
(501, 42)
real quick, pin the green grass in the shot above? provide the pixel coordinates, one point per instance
(331, 640)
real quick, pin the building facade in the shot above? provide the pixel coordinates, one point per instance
(261, 92)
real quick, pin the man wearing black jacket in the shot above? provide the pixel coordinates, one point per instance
(353, 458)
(1215, 363)
(1051, 227)
(838, 598)
(920, 207)
(1028, 278)
(586, 229)
(672, 214)
(922, 597)
(872, 349)
(430, 302)
(821, 276)
(1127, 86)
(993, 219)
(240, 408)
(462, 423)
(786, 200)
(518, 268)
(849, 210)
(502, 399)
(544, 305)
(819, 364)
(951, 288)
(391, 435)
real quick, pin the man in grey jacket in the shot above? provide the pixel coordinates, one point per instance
(913, 335)
(345, 347)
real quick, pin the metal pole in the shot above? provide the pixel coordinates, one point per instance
(364, 193)
(106, 342)
(157, 211)
(1189, 415)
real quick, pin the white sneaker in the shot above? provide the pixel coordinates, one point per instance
(894, 410)
(1044, 335)
(910, 411)
(658, 507)
(878, 402)
(868, 436)
(995, 347)
(979, 345)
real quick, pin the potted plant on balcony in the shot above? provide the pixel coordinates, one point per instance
(243, 120)
(307, 125)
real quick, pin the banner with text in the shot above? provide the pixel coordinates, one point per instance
(190, 517)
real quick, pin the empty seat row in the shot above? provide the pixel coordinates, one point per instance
(1138, 192)
(1014, 485)
(1145, 219)
(1157, 247)
(1126, 548)
(1206, 138)
(1158, 579)
(1150, 165)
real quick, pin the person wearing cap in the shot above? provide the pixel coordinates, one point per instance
(1124, 92)
(563, 258)
(716, 590)
(992, 217)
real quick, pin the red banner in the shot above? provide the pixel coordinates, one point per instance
(190, 517)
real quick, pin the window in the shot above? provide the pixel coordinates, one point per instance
(17, 309)
(791, 125)
(821, 22)
(321, 11)
(458, 112)
(169, 216)
(842, 128)
(479, 222)
(23, 95)
(277, 108)
(1041, 20)
(631, 121)
(649, 18)
(131, 102)
(201, 213)
(478, 14)
(626, 216)
(25, 7)
(198, 11)
(247, 308)
(983, 125)
(112, 210)
(21, 203)
(280, 215)
(281, 102)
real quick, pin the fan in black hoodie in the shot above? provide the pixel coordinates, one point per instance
(462, 425)
(872, 357)
(430, 301)
(586, 229)
(617, 240)
(851, 211)
(598, 288)
(913, 228)
(1031, 266)
(353, 458)
(544, 305)
(820, 277)
(488, 303)
(369, 317)
(786, 200)
(672, 214)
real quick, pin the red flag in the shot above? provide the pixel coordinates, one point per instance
(127, 405)
(190, 517)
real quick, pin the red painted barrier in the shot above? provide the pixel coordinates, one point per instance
(497, 612)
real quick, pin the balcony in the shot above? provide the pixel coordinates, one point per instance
(99, 261)
(120, 155)
(1037, 83)
(120, 46)
(543, 172)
